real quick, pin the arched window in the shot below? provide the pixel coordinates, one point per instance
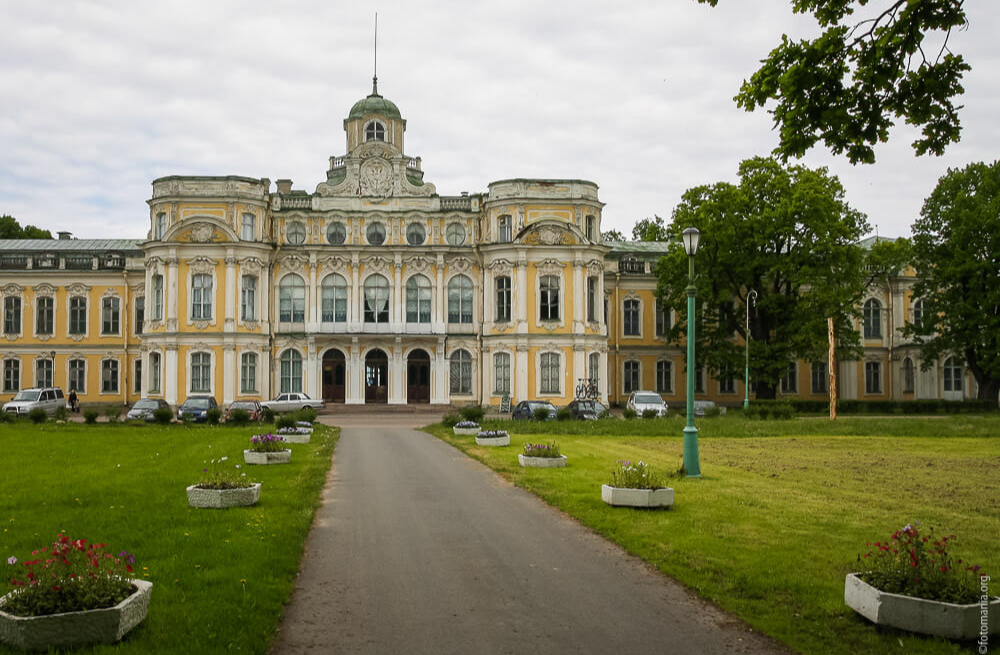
(918, 312)
(952, 375)
(292, 299)
(503, 299)
(201, 373)
(374, 131)
(416, 234)
(461, 372)
(909, 376)
(418, 300)
(376, 299)
(334, 299)
(375, 234)
(873, 319)
(501, 370)
(549, 365)
(630, 381)
(296, 233)
(548, 298)
(291, 371)
(460, 300)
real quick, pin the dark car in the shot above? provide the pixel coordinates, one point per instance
(143, 409)
(588, 410)
(196, 408)
(251, 407)
(526, 409)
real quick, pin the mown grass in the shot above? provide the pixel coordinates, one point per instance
(776, 521)
(221, 577)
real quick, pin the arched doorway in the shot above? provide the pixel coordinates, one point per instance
(376, 377)
(418, 377)
(334, 375)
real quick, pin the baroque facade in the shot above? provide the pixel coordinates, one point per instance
(376, 289)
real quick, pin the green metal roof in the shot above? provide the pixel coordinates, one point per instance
(71, 245)
(651, 248)
(868, 242)
(374, 104)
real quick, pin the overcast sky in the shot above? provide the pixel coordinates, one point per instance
(99, 98)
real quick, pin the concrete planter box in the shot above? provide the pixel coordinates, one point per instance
(620, 497)
(279, 457)
(73, 629)
(467, 431)
(297, 438)
(494, 441)
(223, 498)
(929, 617)
(541, 462)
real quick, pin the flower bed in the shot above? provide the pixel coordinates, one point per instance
(298, 434)
(540, 455)
(636, 485)
(493, 438)
(466, 428)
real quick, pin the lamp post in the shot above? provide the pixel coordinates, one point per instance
(691, 236)
(746, 380)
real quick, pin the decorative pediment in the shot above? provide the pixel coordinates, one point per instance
(377, 265)
(202, 265)
(336, 264)
(631, 295)
(549, 234)
(501, 267)
(418, 264)
(251, 264)
(140, 289)
(110, 292)
(293, 263)
(44, 290)
(77, 289)
(550, 267)
(461, 265)
(595, 267)
(12, 289)
(201, 232)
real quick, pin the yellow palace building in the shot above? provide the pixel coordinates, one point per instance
(376, 289)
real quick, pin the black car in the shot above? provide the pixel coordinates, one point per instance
(143, 409)
(196, 408)
(586, 409)
(526, 409)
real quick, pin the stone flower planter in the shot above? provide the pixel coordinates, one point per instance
(73, 629)
(929, 617)
(297, 437)
(223, 498)
(493, 441)
(278, 457)
(620, 497)
(541, 462)
(467, 431)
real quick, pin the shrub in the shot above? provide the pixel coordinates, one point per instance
(542, 413)
(306, 414)
(267, 443)
(640, 475)
(629, 414)
(650, 413)
(450, 419)
(564, 414)
(61, 414)
(113, 412)
(713, 411)
(90, 416)
(472, 413)
(239, 417)
(37, 415)
(782, 411)
(267, 415)
(606, 414)
(213, 415)
(285, 421)
(163, 415)
(7, 417)
(541, 450)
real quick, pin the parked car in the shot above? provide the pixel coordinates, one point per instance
(701, 406)
(251, 407)
(290, 402)
(48, 398)
(526, 409)
(640, 401)
(588, 410)
(195, 408)
(143, 409)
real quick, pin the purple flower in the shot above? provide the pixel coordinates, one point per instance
(12, 560)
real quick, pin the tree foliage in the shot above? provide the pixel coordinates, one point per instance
(612, 235)
(650, 229)
(787, 233)
(847, 86)
(956, 253)
(11, 229)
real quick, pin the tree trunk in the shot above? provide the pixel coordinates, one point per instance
(831, 365)
(989, 389)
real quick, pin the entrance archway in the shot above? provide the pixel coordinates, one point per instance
(418, 377)
(334, 376)
(376, 377)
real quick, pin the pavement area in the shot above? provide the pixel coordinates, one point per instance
(418, 549)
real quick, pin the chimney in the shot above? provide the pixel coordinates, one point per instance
(65, 236)
(284, 186)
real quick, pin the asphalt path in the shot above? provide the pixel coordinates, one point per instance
(418, 549)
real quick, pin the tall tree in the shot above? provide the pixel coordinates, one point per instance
(11, 229)
(847, 86)
(789, 234)
(650, 229)
(956, 253)
(612, 235)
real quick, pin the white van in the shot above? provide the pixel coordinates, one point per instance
(50, 399)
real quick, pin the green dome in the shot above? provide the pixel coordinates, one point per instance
(374, 104)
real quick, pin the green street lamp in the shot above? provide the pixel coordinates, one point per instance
(746, 380)
(691, 236)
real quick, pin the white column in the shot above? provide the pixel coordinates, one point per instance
(229, 372)
(520, 374)
(356, 315)
(355, 375)
(396, 376)
(265, 300)
(311, 298)
(579, 297)
(311, 373)
(439, 322)
(265, 372)
(599, 300)
(397, 298)
(172, 288)
(603, 372)
(439, 375)
(229, 322)
(579, 367)
(521, 297)
(489, 304)
(170, 375)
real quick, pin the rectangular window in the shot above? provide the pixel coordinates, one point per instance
(548, 298)
(248, 298)
(591, 298)
(44, 316)
(109, 376)
(201, 297)
(11, 315)
(43, 373)
(11, 375)
(157, 297)
(503, 299)
(699, 379)
(161, 226)
(727, 383)
(501, 370)
(137, 377)
(154, 373)
(662, 318)
(504, 230)
(78, 315)
(247, 227)
(140, 313)
(790, 381)
(873, 377)
(461, 373)
(594, 369)
(630, 320)
(909, 376)
(630, 381)
(201, 373)
(819, 377)
(78, 376)
(109, 316)
(248, 373)
(664, 376)
(551, 377)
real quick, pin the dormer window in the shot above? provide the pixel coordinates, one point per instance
(504, 231)
(374, 131)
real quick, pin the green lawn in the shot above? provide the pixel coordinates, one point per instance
(221, 577)
(777, 521)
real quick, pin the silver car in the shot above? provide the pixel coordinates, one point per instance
(143, 409)
(50, 399)
(641, 401)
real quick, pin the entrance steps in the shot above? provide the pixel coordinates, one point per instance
(415, 408)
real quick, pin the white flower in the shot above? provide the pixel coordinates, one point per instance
(223, 459)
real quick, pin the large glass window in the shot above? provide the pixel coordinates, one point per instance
(662, 318)
(247, 227)
(416, 234)
(873, 319)
(873, 377)
(137, 377)
(201, 373)
(952, 375)
(548, 298)
(140, 313)
(157, 297)
(503, 299)
(336, 234)
(44, 316)
(78, 376)
(374, 131)
(819, 377)
(291, 371)
(43, 372)
(376, 299)
(418, 300)
(154, 372)
(790, 381)
(296, 233)
(292, 299)
(594, 367)
(461, 372)
(109, 376)
(630, 322)
(375, 234)
(699, 379)
(727, 383)
(11, 375)
(334, 309)
(455, 234)
(664, 376)
(591, 298)
(909, 376)
(460, 300)
(551, 375)
(248, 373)
(630, 380)
(78, 315)
(591, 228)
(504, 229)
(11, 315)
(110, 315)
(248, 298)
(918, 312)
(501, 370)
(201, 297)
(160, 228)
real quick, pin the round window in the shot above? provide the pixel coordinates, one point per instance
(376, 234)
(455, 234)
(296, 233)
(415, 234)
(336, 234)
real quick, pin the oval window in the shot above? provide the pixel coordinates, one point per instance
(455, 234)
(376, 234)
(336, 234)
(415, 234)
(296, 233)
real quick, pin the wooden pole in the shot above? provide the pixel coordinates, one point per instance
(832, 366)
